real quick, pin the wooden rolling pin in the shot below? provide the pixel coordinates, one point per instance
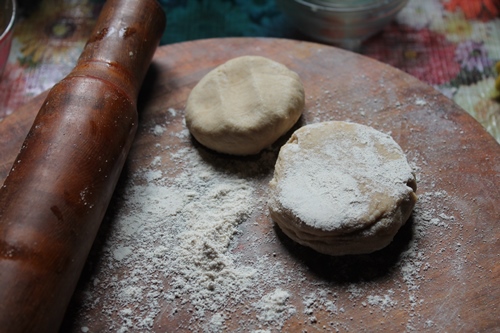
(57, 192)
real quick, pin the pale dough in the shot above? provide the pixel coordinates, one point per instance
(341, 188)
(244, 105)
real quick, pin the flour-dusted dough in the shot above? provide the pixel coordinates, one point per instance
(244, 105)
(341, 188)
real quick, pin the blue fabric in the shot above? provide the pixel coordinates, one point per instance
(199, 19)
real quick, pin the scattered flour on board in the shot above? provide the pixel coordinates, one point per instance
(182, 229)
(172, 245)
(273, 307)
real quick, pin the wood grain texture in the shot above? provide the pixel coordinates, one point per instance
(454, 285)
(60, 184)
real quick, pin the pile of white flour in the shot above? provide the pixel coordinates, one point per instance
(176, 248)
(182, 229)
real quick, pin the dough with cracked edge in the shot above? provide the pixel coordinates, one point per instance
(244, 105)
(341, 188)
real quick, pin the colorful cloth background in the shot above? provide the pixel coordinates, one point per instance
(452, 45)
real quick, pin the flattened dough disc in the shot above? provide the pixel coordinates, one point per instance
(341, 188)
(244, 105)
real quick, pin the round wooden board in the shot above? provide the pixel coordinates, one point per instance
(441, 273)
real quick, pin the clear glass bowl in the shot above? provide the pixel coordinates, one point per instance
(345, 23)
(7, 17)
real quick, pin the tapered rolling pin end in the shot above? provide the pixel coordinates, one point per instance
(57, 192)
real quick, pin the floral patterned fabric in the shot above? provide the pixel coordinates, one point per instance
(453, 45)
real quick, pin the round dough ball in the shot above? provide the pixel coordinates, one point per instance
(341, 188)
(244, 105)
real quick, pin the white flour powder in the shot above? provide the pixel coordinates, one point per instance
(331, 172)
(192, 240)
(182, 229)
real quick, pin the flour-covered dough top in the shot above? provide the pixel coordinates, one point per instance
(344, 185)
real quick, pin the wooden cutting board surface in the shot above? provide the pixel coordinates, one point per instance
(441, 273)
